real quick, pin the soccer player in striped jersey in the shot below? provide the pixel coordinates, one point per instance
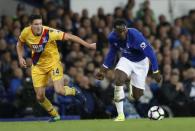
(46, 60)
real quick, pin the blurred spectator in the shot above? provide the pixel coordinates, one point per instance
(172, 93)
(192, 55)
(118, 13)
(145, 11)
(15, 82)
(130, 4)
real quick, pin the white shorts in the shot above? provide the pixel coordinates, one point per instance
(136, 70)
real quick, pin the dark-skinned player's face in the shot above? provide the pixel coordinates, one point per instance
(121, 33)
(36, 27)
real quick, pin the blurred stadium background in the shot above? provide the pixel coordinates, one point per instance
(169, 25)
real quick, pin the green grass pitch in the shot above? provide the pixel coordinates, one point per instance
(171, 124)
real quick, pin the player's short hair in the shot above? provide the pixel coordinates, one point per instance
(119, 24)
(34, 17)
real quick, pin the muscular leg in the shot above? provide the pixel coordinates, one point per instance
(58, 80)
(63, 90)
(137, 93)
(134, 92)
(66, 90)
(44, 102)
(120, 78)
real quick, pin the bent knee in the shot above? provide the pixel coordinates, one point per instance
(137, 94)
(40, 97)
(120, 78)
(59, 90)
(119, 82)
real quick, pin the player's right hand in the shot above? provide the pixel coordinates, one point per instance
(22, 62)
(157, 76)
(99, 75)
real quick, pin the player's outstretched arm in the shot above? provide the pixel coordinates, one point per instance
(79, 40)
(20, 52)
(108, 62)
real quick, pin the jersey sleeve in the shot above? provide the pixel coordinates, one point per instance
(56, 34)
(23, 35)
(145, 46)
(148, 51)
(110, 57)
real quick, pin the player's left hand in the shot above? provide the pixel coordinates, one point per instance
(92, 46)
(157, 76)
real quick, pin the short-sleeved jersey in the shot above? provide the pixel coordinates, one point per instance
(44, 47)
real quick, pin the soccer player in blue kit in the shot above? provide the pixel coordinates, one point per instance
(136, 54)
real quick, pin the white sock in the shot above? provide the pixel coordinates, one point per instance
(120, 94)
(119, 107)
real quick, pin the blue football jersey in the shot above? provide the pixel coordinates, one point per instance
(135, 48)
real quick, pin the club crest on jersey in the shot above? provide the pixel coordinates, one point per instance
(143, 45)
(45, 39)
(37, 48)
(125, 50)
